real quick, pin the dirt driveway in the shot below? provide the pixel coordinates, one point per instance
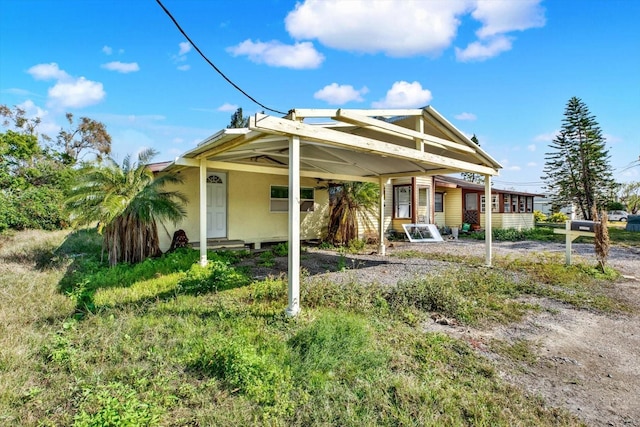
(587, 362)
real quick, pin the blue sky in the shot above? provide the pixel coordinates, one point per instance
(501, 69)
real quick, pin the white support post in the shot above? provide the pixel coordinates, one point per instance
(488, 226)
(381, 247)
(203, 212)
(569, 238)
(294, 227)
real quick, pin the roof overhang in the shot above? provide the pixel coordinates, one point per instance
(356, 145)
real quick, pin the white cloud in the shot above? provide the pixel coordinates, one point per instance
(466, 116)
(336, 94)
(531, 147)
(227, 108)
(503, 16)
(499, 17)
(107, 50)
(482, 50)
(513, 168)
(47, 72)
(396, 28)
(122, 67)
(276, 54)
(185, 47)
(177, 140)
(612, 139)
(546, 137)
(405, 95)
(77, 93)
(68, 91)
(532, 164)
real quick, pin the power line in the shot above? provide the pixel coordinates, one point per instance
(212, 64)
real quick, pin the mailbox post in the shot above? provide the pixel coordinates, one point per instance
(573, 230)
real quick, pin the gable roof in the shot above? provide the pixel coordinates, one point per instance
(363, 145)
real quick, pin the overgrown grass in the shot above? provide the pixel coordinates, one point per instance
(167, 342)
(617, 235)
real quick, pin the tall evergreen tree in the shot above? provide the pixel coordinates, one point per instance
(238, 120)
(577, 169)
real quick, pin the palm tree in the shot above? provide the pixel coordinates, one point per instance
(126, 201)
(351, 202)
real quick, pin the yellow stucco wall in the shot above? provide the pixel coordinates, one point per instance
(248, 209)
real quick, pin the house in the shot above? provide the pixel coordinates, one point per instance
(240, 181)
(458, 201)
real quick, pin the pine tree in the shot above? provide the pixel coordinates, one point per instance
(577, 169)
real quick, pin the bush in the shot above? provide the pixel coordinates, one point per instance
(32, 208)
(539, 216)
(558, 217)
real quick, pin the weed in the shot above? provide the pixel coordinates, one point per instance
(281, 249)
(267, 259)
(519, 351)
(114, 404)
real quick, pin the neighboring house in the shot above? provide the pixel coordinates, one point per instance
(239, 181)
(458, 201)
(544, 204)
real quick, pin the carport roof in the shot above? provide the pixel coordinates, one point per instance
(344, 144)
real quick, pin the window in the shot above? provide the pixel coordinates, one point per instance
(402, 201)
(522, 203)
(280, 199)
(529, 204)
(507, 203)
(439, 202)
(494, 203)
(514, 203)
(471, 201)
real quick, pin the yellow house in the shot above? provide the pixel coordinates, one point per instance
(458, 201)
(265, 182)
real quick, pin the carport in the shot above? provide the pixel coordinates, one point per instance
(343, 145)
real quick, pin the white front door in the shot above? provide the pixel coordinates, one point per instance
(216, 205)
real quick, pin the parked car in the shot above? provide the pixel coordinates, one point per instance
(617, 216)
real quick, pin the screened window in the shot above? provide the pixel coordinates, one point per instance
(402, 201)
(494, 203)
(507, 203)
(439, 202)
(279, 199)
(471, 201)
(529, 204)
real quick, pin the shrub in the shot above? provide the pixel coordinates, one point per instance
(557, 217)
(539, 216)
(281, 249)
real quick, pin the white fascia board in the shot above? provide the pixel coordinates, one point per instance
(350, 117)
(302, 113)
(447, 124)
(270, 124)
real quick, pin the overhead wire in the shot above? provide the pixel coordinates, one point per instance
(211, 63)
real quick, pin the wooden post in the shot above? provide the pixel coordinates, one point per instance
(203, 211)
(381, 245)
(293, 274)
(488, 226)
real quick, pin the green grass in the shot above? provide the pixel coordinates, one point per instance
(544, 233)
(167, 342)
